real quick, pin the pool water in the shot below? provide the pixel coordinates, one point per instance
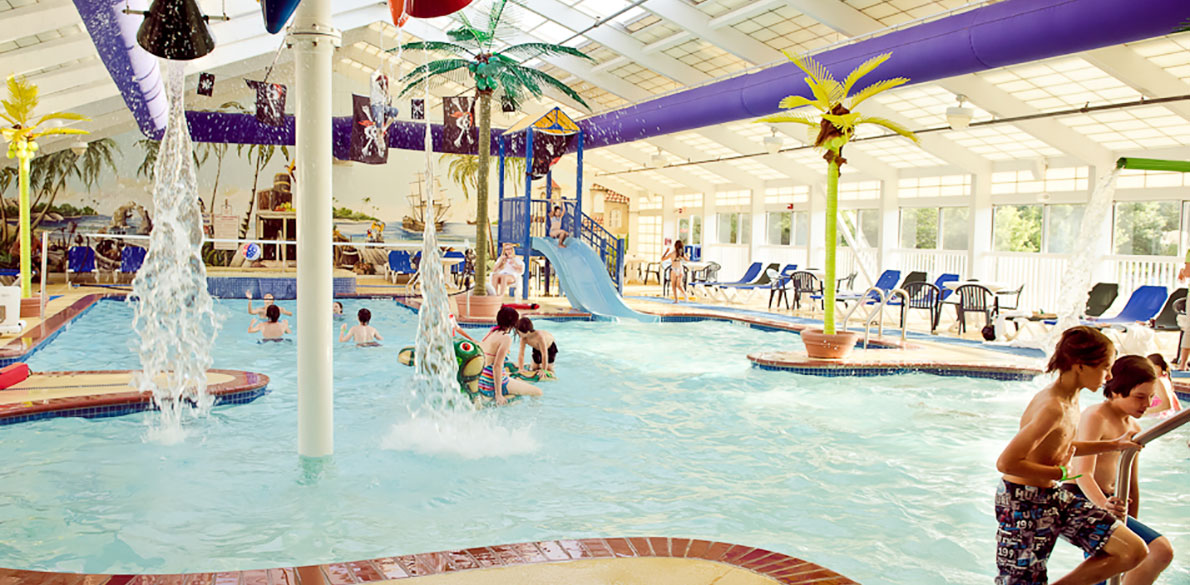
(651, 429)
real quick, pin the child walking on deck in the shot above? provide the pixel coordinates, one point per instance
(1032, 506)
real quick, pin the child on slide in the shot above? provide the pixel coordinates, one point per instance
(555, 226)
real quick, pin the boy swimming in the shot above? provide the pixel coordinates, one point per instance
(268, 302)
(364, 334)
(1032, 506)
(271, 330)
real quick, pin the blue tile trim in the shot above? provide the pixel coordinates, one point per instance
(123, 409)
(868, 371)
(233, 287)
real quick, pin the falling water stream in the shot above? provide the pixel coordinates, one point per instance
(174, 317)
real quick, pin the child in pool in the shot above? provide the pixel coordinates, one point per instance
(271, 330)
(364, 334)
(544, 349)
(1133, 384)
(336, 310)
(1165, 400)
(268, 302)
(1031, 505)
(495, 347)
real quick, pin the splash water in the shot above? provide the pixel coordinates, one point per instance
(1080, 267)
(174, 317)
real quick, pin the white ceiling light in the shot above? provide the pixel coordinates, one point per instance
(959, 117)
(658, 159)
(1038, 167)
(772, 144)
(78, 148)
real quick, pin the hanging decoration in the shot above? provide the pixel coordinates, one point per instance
(367, 135)
(417, 109)
(270, 102)
(431, 8)
(507, 105)
(459, 135)
(206, 84)
(553, 134)
(397, 9)
(276, 13)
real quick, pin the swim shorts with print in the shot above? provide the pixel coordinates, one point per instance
(1031, 520)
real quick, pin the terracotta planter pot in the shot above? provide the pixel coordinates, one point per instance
(31, 307)
(479, 308)
(830, 347)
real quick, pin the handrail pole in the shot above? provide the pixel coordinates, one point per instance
(905, 302)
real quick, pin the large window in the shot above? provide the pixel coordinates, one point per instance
(1017, 228)
(690, 229)
(1147, 228)
(868, 221)
(735, 228)
(1062, 227)
(648, 242)
(788, 227)
(919, 228)
(956, 223)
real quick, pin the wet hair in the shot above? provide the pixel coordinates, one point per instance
(1127, 373)
(507, 318)
(1159, 362)
(273, 312)
(678, 247)
(557, 207)
(1081, 345)
(365, 316)
(524, 325)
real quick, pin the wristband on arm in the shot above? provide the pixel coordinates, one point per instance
(1066, 474)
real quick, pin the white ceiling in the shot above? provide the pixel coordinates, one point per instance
(662, 46)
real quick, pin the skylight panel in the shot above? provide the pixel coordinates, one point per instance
(1133, 128)
(1060, 84)
(786, 29)
(552, 32)
(705, 175)
(1003, 142)
(925, 105)
(893, 12)
(600, 8)
(663, 179)
(898, 154)
(762, 172)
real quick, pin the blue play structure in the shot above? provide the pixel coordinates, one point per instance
(591, 266)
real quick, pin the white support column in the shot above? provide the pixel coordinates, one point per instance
(1104, 270)
(816, 242)
(890, 219)
(979, 241)
(314, 42)
(760, 227)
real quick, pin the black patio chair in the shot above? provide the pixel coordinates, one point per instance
(974, 298)
(847, 283)
(804, 282)
(1167, 319)
(653, 268)
(915, 276)
(925, 296)
(1102, 295)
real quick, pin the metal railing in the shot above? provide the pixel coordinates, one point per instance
(513, 228)
(863, 302)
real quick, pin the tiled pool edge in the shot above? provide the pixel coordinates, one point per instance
(777, 566)
(29, 342)
(244, 387)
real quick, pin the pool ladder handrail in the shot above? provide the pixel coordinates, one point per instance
(1124, 469)
(863, 302)
(880, 311)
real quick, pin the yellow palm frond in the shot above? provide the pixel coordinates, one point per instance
(61, 116)
(821, 92)
(797, 101)
(58, 131)
(888, 125)
(812, 68)
(783, 117)
(845, 122)
(22, 98)
(864, 68)
(875, 88)
(834, 91)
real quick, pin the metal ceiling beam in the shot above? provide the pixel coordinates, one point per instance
(837, 15)
(34, 57)
(743, 13)
(677, 174)
(776, 162)
(698, 23)
(37, 18)
(723, 169)
(1141, 74)
(936, 144)
(1048, 130)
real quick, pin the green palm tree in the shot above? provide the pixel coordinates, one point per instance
(219, 150)
(473, 50)
(463, 169)
(259, 156)
(22, 135)
(836, 121)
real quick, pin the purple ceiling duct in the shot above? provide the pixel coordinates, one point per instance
(1005, 33)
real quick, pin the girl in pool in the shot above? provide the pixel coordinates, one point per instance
(336, 310)
(677, 272)
(495, 347)
(1165, 401)
(271, 330)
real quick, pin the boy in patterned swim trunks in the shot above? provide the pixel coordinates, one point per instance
(1032, 507)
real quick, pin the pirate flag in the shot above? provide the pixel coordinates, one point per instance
(206, 84)
(507, 105)
(458, 125)
(368, 144)
(553, 134)
(270, 102)
(417, 109)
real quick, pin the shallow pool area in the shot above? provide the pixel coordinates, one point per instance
(651, 429)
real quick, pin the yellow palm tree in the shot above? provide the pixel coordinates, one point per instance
(836, 121)
(22, 144)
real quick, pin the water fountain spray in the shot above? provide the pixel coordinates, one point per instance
(174, 316)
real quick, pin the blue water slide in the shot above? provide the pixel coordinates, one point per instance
(585, 280)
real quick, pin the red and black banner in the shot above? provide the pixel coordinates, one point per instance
(459, 135)
(368, 144)
(270, 102)
(547, 150)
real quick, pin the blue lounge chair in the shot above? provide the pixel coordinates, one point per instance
(941, 284)
(398, 263)
(131, 259)
(1144, 304)
(80, 260)
(765, 280)
(749, 275)
(888, 279)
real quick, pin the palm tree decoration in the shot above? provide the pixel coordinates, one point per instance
(473, 50)
(50, 174)
(463, 169)
(836, 121)
(22, 135)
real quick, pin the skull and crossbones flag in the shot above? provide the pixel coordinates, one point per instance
(270, 102)
(459, 135)
(368, 144)
(206, 84)
(417, 109)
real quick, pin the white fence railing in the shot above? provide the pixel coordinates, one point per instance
(1042, 275)
(1134, 271)
(932, 262)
